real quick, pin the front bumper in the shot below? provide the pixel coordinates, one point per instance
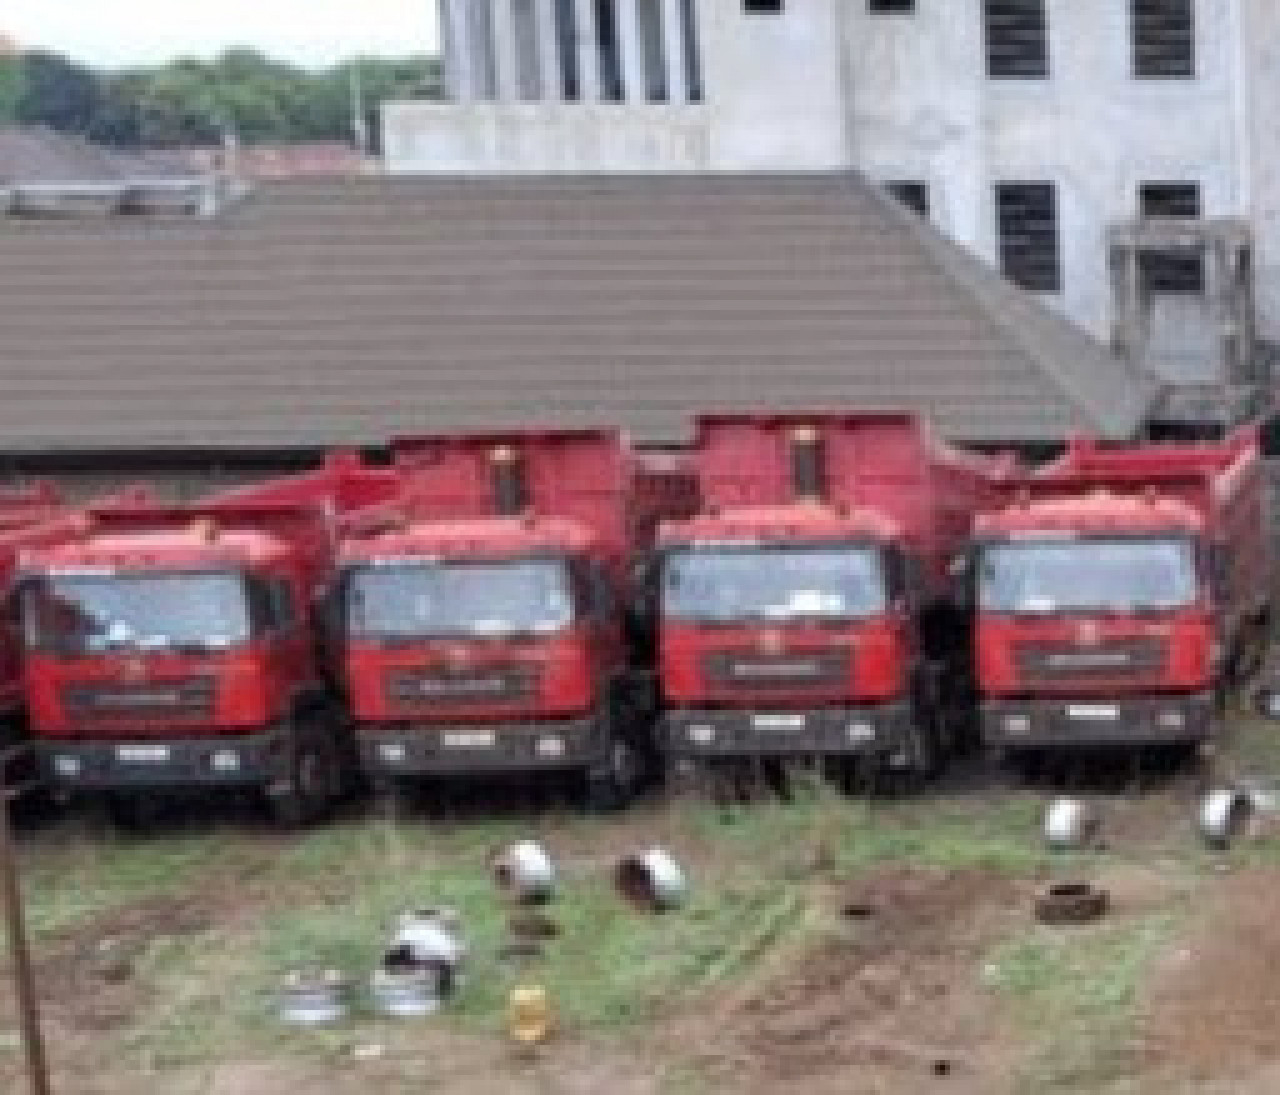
(252, 760)
(883, 730)
(1138, 720)
(407, 750)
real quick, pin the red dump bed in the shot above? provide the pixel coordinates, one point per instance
(590, 477)
(882, 464)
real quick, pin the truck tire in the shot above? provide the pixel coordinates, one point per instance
(312, 784)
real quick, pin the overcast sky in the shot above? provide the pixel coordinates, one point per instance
(123, 32)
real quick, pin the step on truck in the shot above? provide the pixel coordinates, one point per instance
(172, 648)
(1121, 592)
(486, 623)
(808, 610)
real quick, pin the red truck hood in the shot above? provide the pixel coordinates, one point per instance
(140, 695)
(787, 665)
(1084, 654)
(469, 680)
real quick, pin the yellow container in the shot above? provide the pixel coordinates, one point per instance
(529, 1016)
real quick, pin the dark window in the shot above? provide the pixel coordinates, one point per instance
(914, 195)
(1169, 199)
(610, 52)
(767, 6)
(887, 6)
(1027, 216)
(692, 49)
(1164, 39)
(1170, 271)
(1017, 39)
(567, 39)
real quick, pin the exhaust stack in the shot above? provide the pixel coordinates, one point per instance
(808, 479)
(510, 491)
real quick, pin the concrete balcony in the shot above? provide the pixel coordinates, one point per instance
(546, 138)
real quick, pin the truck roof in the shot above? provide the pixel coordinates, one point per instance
(1094, 513)
(200, 546)
(471, 538)
(794, 522)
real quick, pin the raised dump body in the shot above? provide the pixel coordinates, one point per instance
(1120, 591)
(486, 620)
(172, 648)
(806, 611)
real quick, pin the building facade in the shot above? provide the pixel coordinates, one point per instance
(1031, 131)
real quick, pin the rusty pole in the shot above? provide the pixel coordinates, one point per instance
(20, 954)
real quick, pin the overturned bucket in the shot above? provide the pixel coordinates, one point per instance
(651, 880)
(1223, 815)
(1070, 823)
(526, 873)
(431, 936)
(405, 987)
(313, 996)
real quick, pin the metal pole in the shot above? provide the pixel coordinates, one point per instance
(20, 954)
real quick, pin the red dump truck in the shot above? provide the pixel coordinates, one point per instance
(485, 618)
(807, 610)
(171, 648)
(1120, 591)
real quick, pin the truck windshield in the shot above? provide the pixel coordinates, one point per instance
(95, 613)
(723, 585)
(1083, 575)
(410, 600)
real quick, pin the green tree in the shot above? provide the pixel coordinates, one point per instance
(58, 93)
(12, 81)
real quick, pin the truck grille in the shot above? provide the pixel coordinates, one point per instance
(190, 698)
(1043, 661)
(826, 667)
(502, 684)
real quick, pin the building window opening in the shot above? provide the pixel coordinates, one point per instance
(653, 50)
(1164, 39)
(1027, 221)
(566, 21)
(609, 51)
(1176, 270)
(524, 26)
(912, 194)
(891, 7)
(692, 50)
(1017, 33)
(762, 7)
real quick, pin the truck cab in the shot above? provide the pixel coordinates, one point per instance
(805, 611)
(174, 648)
(484, 624)
(1120, 592)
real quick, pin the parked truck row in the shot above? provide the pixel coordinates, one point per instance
(835, 586)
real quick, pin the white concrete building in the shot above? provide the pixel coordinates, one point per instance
(1025, 129)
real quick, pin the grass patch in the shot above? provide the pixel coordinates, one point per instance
(69, 885)
(1076, 993)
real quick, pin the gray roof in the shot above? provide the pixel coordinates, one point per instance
(346, 311)
(38, 155)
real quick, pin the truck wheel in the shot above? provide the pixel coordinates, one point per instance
(311, 786)
(612, 784)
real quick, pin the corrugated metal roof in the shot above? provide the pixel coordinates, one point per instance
(345, 311)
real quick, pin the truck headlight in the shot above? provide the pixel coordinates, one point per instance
(67, 767)
(701, 733)
(392, 752)
(1171, 719)
(225, 760)
(861, 731)
(1017, 725)
(552, 745)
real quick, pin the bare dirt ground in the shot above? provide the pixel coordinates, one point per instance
(865, 950)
